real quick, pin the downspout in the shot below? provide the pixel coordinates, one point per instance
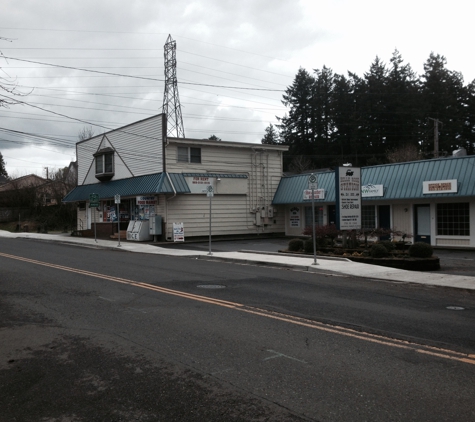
(168, 199)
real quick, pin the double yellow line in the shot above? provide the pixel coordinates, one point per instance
(334, 329)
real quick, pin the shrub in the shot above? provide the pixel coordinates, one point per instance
(308, 245)
(420, 250)
(388, 245)
(295, 245)
(378, 251)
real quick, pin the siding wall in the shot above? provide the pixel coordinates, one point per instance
(229, 214)
(238, 204)
(139, 150)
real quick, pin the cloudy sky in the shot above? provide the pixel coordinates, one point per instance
(234, 60)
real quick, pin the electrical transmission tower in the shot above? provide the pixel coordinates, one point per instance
(171, 101)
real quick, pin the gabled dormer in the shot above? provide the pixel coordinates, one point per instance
(104, 164)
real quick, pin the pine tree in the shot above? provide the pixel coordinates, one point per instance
(296, 128)
(271, 136)
(3, 170)
(442, 93)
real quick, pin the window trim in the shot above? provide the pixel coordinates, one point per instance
(193, 154)
(100, 158)
(453, 224)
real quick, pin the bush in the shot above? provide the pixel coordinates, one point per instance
(308, 246)
(295, 245)
(420, 250)
(388, 245)
(378, 251)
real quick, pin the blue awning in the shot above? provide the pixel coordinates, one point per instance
(150, 184)
(400, 180)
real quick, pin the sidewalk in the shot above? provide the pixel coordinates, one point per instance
(301, 263)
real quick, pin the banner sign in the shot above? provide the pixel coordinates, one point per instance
(372, 190)
(348, 197)
(317, 194)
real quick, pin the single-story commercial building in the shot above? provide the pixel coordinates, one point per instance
(433, 200)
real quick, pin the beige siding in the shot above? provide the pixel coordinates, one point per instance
(230, 215)
(240, 206)
(402, 218)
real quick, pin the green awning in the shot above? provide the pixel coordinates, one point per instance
(150, 184)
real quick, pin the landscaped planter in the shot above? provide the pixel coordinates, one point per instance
(399, 260)
(411, 264)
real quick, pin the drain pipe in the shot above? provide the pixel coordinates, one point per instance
(169, 199)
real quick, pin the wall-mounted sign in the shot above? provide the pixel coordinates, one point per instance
(199, 184)
(294, 217)
(372, 190)
(146, 200)
(317, 194)
(348, 198)
(440, 186)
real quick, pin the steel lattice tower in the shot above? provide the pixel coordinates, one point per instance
(171, 101)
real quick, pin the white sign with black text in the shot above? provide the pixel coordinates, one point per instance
(348, 181)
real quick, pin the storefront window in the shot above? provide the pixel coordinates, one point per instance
(453, 219)
(318, 216)
(368, 217)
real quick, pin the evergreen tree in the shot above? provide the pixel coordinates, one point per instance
(403, 106)
(322, 119)
(442, 93)
(296, 128)
(344, 147)
(468, 134)
(3, 170)
(271, 136)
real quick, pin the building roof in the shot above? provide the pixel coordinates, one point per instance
(400, 180)
(150, 184)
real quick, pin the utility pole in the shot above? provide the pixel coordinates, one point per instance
(436, 136)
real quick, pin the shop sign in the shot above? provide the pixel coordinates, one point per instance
(348, 189)
(317, 194)
(440, 186)
(199, 184)
(295, 217)
(146, 200)
(372, 190)
(178, 232)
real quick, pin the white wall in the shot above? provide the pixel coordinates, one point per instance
(138, 150)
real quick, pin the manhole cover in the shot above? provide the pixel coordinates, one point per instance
(211, 286)
(455, 308)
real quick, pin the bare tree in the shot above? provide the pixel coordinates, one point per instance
(85, 133)
(403, 154)
(8, 85)
(299, 164)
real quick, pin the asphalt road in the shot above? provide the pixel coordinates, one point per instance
(98, 335)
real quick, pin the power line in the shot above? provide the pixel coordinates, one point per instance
(141, 77)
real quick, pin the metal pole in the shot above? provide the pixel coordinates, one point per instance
(95, 231)
(118, 222)
(314, 237)
(209, 253)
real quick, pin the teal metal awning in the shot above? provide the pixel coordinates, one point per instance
(400, 180)
(151, 184)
